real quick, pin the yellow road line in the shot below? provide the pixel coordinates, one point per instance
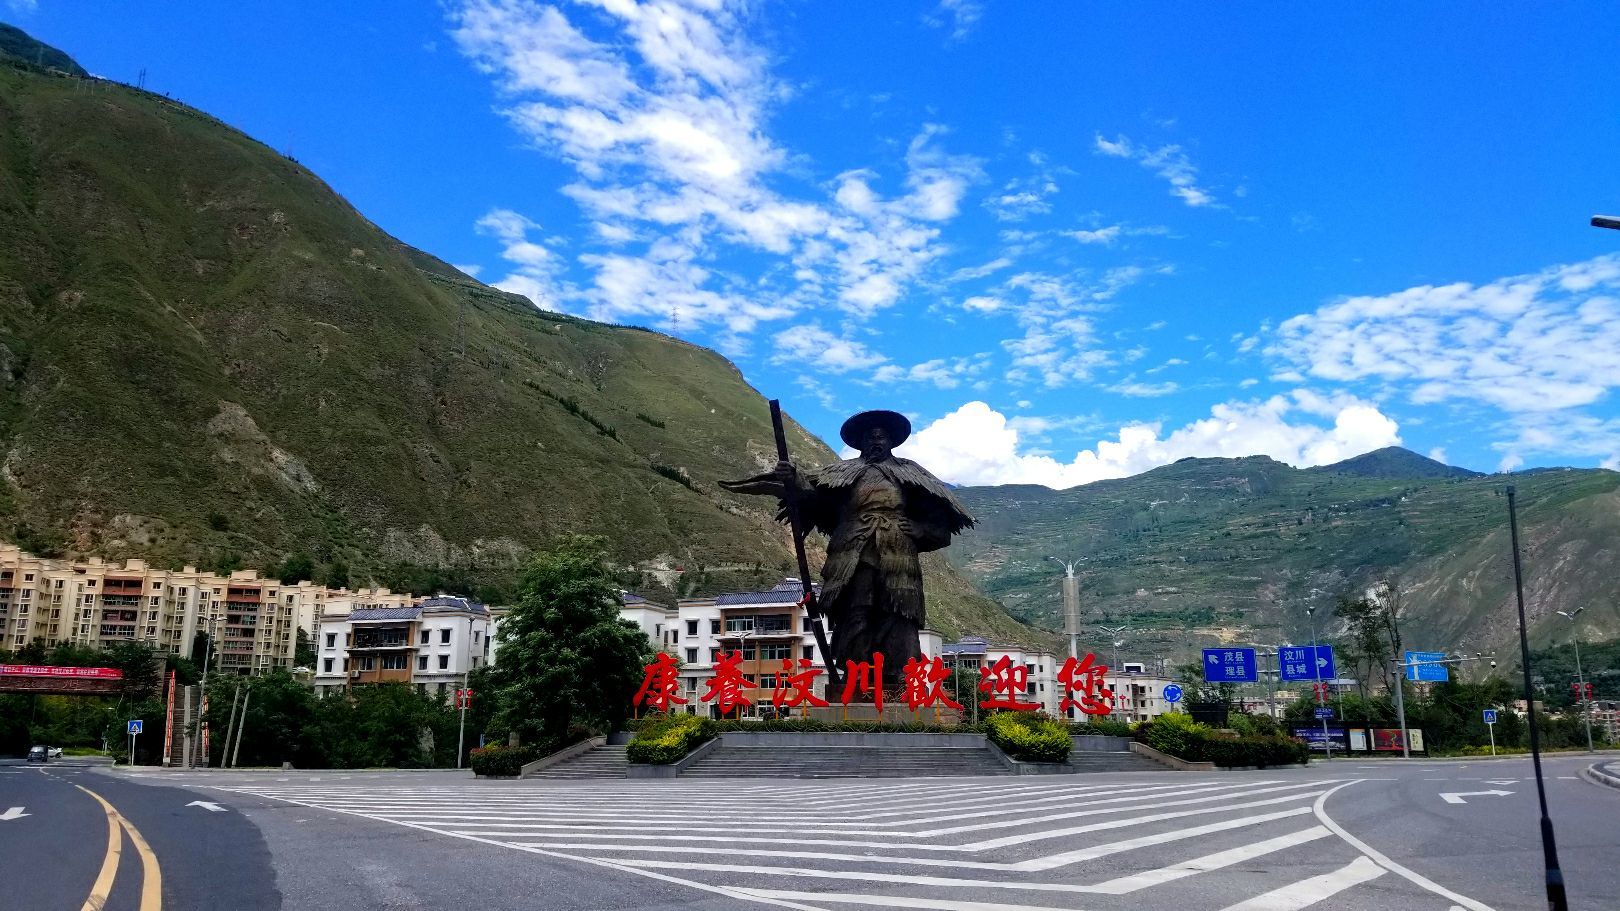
(109, 864)
(151, 870)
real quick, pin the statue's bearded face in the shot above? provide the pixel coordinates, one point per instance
(876, 447)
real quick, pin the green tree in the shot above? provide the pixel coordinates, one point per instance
(565, 655)
(303, 650)
(296, 568)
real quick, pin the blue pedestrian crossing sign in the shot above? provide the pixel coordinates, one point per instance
(1490, 716)
(1306, 662)
(1172, 693)
(1230, 665)
(135, 725)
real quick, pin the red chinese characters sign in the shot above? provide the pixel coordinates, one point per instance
(1004, 685)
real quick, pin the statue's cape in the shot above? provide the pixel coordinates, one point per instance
(925, 494)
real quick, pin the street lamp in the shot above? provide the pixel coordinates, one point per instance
(1115, 632)
(1586, 703)
(1606, 221)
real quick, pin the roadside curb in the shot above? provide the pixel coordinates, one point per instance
(1597, 774)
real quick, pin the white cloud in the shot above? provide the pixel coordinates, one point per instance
(1510, 462)
(811, 345)
(960, 16)
(1169, 162)
(1547, 341)
(972, 272)
(22, 6)
(942, 373)
(1438, 453)
(984, 303)
(977, 445)
(534, 268)
(1135, 389)
(664, 122)
(471, 270)
(1103, 236)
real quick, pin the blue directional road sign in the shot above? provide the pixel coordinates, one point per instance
(1172, 693)
(134, 725)
(1230, 665)
(1427, 671)
(1490, 716)
(1306, 662)
(1324, 713)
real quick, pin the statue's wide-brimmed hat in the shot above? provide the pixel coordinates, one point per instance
(893, 422)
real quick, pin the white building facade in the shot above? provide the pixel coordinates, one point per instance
(429, 643)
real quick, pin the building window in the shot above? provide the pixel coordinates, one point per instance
(444, 662)
(444, 636)
(476, 634)
(714, 655)
(326, 666)
(691, 656)
(714, 627)
(809, 653)
(331, 640)
(157, 586)
(421, 662)
(425, 636)
(393, 662)
(442, 688)
(776, 652)
(691, 627)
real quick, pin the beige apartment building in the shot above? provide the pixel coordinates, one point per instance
(94, 603)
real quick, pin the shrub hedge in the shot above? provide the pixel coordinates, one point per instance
(502, 760)
(661, 741)
(1029, 737)
(1181, 737)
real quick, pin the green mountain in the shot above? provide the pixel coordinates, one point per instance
(208, 356)
(1210, 551)
(18, 48)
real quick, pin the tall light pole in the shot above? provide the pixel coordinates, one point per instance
(1115, 632)
(1071, 605)
(1316, 665)
(1586, 703)
(463, 697)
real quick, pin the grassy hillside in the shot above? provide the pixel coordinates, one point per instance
(1231, 550)
(208, 356)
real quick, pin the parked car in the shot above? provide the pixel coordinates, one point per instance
(55, 753)
(39, 754)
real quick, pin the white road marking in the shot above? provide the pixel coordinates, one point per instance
(14, 813)
(893, 901)
(1383, 860)
(207, 805)
(1209, 862)
(1457, 796)
(1308, 892)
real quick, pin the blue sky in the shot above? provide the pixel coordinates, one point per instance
(1071, 241)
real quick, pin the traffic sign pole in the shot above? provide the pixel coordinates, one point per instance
(1490, 727)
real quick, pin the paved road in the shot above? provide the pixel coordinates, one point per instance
(1341, 837)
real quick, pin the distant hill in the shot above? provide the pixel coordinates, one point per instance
(207, 356)
(1209, 551)
(17, 46)
(1396, 462)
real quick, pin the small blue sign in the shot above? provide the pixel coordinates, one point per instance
(1230, 665)
(1490, 716)
(1172, 693)
(135, 726)
(1306, 662)
(1426, 671)
(1324, 713)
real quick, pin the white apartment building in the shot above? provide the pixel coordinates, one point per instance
(974, 652)
(1138, 692)
(386, 637)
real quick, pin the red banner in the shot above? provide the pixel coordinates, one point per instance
(168, 726)
(41, 670)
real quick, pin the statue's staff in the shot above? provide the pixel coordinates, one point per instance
(790, 499)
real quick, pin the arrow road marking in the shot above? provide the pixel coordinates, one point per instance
(1458, 797)
(14, 813)
(206, 805)
(1501, 781)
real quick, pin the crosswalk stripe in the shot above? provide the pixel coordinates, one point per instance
(891, 901)
(1034, 864)
(1308, 892)
(1208, 862)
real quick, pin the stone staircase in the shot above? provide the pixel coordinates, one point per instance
(844, 762)
(1086, 761)
(606, 761)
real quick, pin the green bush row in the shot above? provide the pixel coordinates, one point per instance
(1180, 736)
(1030, 737)
(502, 760)
(661, 741)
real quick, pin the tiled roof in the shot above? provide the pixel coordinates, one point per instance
(788, 591)
(630, 599)
(451, 602)
(385, 613)
(970, 645)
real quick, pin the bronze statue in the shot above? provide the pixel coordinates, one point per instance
(879, 513)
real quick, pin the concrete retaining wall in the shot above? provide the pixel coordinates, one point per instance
(568, 752)
(1100, 743)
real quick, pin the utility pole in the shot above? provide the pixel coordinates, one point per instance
(230, 729)
(464, 697)
(1556, 899)
(1586, 701)
(1115, 632)
(241, 725)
